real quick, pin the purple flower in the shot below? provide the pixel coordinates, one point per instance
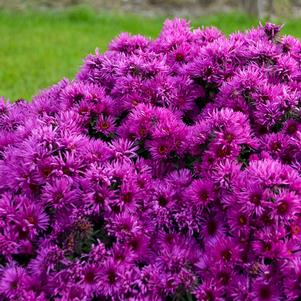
(209, 291)
(169, 169)
(59, 193)
(13, 281)
(110, 279)
(265, 291)
(201, 192)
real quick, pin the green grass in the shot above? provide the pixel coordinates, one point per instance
(38, 49)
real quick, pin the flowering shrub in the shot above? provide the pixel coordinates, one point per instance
(167, 170)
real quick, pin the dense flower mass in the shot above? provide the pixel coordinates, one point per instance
(168, 169)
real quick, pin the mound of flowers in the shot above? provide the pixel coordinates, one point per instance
(168, 169)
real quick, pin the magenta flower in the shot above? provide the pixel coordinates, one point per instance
(168, 169)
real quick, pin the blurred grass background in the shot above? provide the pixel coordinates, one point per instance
(39, 48)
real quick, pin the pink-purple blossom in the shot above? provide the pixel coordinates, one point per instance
(168, 169)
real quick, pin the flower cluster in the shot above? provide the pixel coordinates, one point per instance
(168, 169)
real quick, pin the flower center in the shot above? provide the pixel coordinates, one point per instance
(99, 199)
(162, 201)
(265, 293)
(276, 146)
(229, 137)
(211, 227)
(142, 131)
(78, 98)
(162, 149)
(291, 129)
(66, 170)
(295, 229)
(105, 125)
(127, 197)
(14, 284)
(46, 171)
(31, 219)
(89, 277)
(267, 246)
(224, 277)
(111, 275)
(134, 244)
(57, 196)
(223, 151)
(204, 196)
(226, 254)
(209, 296)
(282, 208)
(242, 220)
(255, 199)
(180, 57)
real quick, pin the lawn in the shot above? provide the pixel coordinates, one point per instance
(39, 48)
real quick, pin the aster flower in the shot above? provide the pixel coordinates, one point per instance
(225, 250)
(293, 274)
(110, 279)
(265, 291)
(268, 245)
(73, 94)
(291, 127)
(238, 221)
(96, 151)
(201, 192)
(68, 164)
(123, 149)
(88, 281)
(286, 205)
(225, 173)
(212, 226)
(8, 246)
(289, 44)
(176, 252)
(174, 33)
(285, 69)
(97, 251)
(71, 121)
(269, 172)
(138, 243)
(97, 177)
(124, 225)
(271, 30)
(59, 193)
(179, 56)
(122, 254)
(206, 35)
(295, 228)
(168, 169)
(160, 149)
(46, 100)
(32, 296)
(49, 259)
(163, 196)
(253, 199)
(12, 281)
(209, 291)
(32, 218)
(240, 290)
(70, 143)
(73, 292)
(180, 179)
(127, 197)
(129, 44)
(96, 201)
(105, 124)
